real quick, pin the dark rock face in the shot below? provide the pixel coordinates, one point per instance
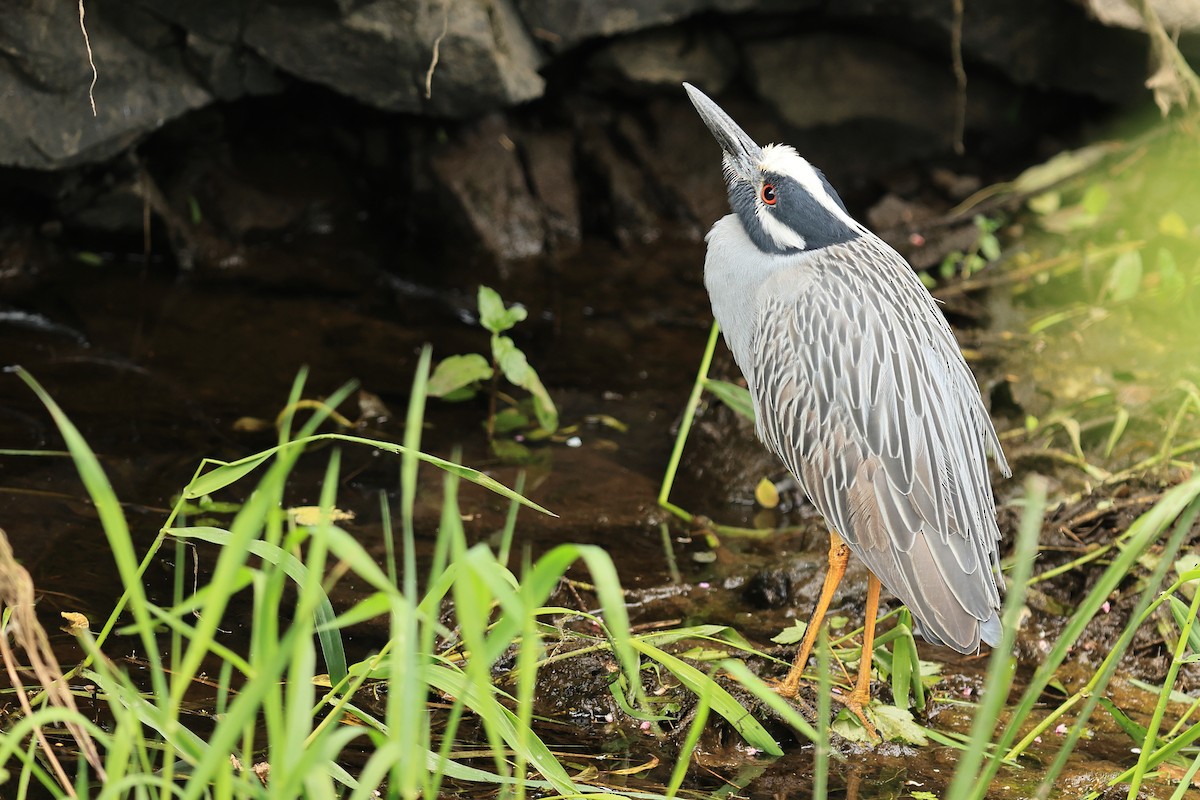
(44, 78)
(381, 52)
(1048, 45)
(563, 24)
(482, 172)
(536, 122)
(158, 60)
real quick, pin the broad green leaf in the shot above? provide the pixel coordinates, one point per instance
(732, 395)
(1124, 277)
(492, 313)
(1172, 282)
(225, 474)
(491, 309)
(989, 246)
(508, 420)
(893, 724)
(949, 264)
(986, 224)
(511, 452)
(516, 369)
(792, 635)
(543, 406)
(458, 372)
(511, 360)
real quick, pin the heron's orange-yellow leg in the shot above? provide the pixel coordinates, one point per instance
(839, 554)
(858, 699)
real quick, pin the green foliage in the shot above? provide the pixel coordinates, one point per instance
(732, 395)
(460, 377)
(737, 398)
(1108, 276)
(985, 251)
(277, 705)
(457, 376)
(286, 703)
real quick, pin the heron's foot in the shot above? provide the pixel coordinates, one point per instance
(791, 693)
(789, 687)
(856, 703)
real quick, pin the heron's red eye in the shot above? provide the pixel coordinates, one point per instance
(768, 194)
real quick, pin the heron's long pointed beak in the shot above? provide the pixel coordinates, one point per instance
(742, 155)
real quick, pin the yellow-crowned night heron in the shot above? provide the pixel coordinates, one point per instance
(859, 386)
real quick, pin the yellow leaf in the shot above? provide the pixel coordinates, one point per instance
(766, 494)
(76, 621)
(1171, 224)
(311, 515)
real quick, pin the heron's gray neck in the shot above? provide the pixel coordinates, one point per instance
(735, 271)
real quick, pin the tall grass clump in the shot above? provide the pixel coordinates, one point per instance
(1001, 719)
(280, 719)
(289, 714)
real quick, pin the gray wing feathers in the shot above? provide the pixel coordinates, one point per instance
(862, 391)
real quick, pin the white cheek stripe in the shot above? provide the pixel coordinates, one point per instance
(783, 159)
(784, 237)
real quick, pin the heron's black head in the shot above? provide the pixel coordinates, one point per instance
(785, 204)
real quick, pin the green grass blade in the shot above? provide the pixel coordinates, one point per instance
(616, 616)
(295, 569)
(821, 747)
(695, 730)
(504, 722)
(722, 701)
(902, 667)
(204, 485)
(770, 698)
(112, 521)
(967, 780)
(333, 650)
(685, 425)
(1151, 738)
(1144, 607)
(1142, 533)
(732, 395)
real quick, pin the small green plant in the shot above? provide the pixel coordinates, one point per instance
(460, 377)
(986, 250)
